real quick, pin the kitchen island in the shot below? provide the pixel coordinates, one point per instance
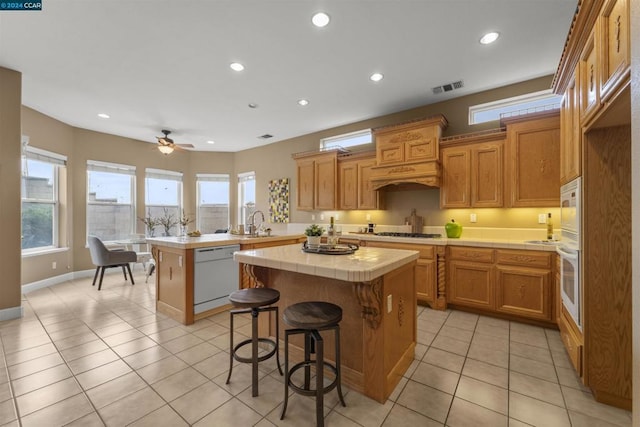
(187, 293)
(375, 288)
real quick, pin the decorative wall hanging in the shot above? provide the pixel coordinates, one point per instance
(279, 200)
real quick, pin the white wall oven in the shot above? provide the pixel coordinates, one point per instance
(569, 250)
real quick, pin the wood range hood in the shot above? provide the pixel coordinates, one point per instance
(407, 155)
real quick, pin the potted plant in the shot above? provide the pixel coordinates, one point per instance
(150, 224)
(184, 221)
(313, 233)
(168, 221)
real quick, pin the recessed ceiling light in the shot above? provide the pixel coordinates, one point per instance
(303, 102)
(376, 77)
(489, 38)
(252, 105)
(103, 116)
(320, 19)
(211, 142)
(236, 66)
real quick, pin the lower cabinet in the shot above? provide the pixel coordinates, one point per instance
(511, 282)
(426, 273)
(174, 289)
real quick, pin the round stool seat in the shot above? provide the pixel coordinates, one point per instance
(254, 297)
(312, 315)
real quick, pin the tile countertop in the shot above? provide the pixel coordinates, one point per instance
(221, 239)
(444, 241)
(365, 264)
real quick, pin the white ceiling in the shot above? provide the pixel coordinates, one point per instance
(161, 64)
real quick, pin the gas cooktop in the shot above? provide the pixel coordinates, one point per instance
(418, 235)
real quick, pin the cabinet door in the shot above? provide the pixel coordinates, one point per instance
(534, 160)
(348, 185)
(455, 191)
(589, 86)
(571, 135)
(325, 183)
(523, 291)
(471, 284)
(368, 198)
(486, 176)
(305, 177)
(615, 34)
(426, 280)
(423, 147)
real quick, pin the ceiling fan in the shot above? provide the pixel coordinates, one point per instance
(166, 145)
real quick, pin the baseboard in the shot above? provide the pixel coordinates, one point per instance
(50, 281)
(10, 313)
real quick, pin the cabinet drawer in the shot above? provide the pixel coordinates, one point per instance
(471, 254)
(524, 258)
(426, 252)
(572, 344)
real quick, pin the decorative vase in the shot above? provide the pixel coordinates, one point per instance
(313, 241)
(183, 230)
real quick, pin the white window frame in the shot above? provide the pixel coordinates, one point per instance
(204, 177)
(167, 175)
(58, 161)
(347, 140)
(115, 168)
(516, 105)
(243, 213)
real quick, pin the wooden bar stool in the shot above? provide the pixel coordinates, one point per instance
(309, 318)
(254, 301)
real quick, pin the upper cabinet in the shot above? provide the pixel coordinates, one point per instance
(570, 134)
(356, 191)
(408, 153)
(472, 170)
(533, 160)
(614, 35)
(317, 180)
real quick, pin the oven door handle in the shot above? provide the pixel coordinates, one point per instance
(572, 255)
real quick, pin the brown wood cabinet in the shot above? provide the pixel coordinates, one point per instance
(533, 166)
(426, 276)
(174, 289)
(245, 279)
(598, 51)
(523, 284)
(356, 190)
(512, 282)
(472, 171)
(571, 134)
(317, 180)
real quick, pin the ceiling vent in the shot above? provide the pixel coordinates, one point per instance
(447, 87)
(265, 136)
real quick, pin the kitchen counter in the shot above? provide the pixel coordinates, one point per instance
(471, 241)
(219, 239)
(375, 288)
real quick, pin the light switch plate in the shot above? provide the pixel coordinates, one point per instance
(542, 218)
(473, 218)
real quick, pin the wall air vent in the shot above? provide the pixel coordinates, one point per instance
(447, 87)
(265, 136)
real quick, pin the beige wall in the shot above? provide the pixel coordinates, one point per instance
(269, 162)
(10, 137)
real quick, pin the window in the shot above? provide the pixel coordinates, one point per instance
(40, 175)
(246, 196)
(213, 202)
(530, 103)
(346, 140)
(110, 200)
(163, 196)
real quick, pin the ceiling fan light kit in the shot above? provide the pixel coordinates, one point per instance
(165, 149)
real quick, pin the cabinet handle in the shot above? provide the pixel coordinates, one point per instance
(522, 291)
(618, 24)
(170, 273)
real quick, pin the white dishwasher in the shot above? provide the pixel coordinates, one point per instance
(215, 276)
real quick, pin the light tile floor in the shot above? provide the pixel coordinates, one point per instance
(81, 357)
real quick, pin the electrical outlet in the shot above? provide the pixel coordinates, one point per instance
(368, 217)
(473, 218)
(321, 217)
(337, 217)
(54, 265)
(313, 217)
(389, 303)
(542, 218)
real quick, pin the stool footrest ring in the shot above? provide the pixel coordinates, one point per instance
(264, 357)
(309, 391)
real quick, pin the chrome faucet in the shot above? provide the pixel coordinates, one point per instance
(253, 231)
